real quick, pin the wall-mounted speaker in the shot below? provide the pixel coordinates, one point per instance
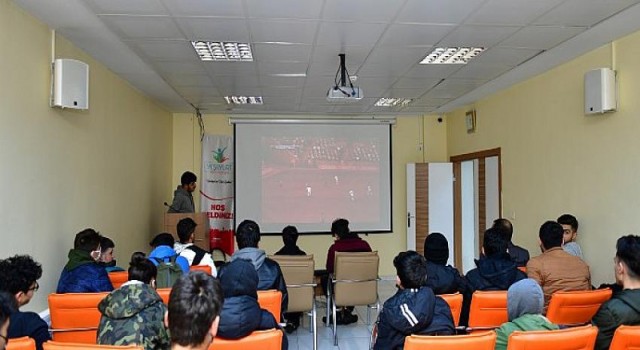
(600, 95)
(70, 84)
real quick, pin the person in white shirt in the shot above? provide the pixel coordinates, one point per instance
(186, 249)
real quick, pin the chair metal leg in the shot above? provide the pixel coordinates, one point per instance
(314, 327)
(335, 324)
(328, 296)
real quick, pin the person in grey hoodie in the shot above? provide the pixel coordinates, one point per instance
(269, 273)
(525, 303)
(182, 196)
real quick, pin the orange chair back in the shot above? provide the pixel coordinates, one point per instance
(118, 278)
(75, 316)
(204, 268)
(271, 300)
(576, 338)
(264, 340)
(54, 345)
(522, 268)
(576, 307)
(455, 304)
(477, 341)
(625, 338)
(23, 343)
(164, 294)
(488, 309)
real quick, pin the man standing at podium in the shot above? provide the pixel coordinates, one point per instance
(183, 197)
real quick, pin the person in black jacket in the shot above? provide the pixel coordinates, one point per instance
(241, 314)
(269, 273)
(518, 254)
(7, 307)
(290, 238)
(441, 278)
(414, 309)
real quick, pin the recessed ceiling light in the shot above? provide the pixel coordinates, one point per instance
(452, 55)
(392, 102)
(222, 51)
(290, 75)
(243, 100)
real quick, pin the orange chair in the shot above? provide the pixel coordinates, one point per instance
(522, 268)
(271, 300)
(75, 316)
(54, 345)
(118, 278)
(477, 341)
(455, 304)
(625, 338)
(488, 310)
(164, 294)
(204, 268)
(576, 307)
(264, 340)
(23, 343)
(576, 338)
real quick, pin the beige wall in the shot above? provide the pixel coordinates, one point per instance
(108, 168)
(407, 134)
(556, 160)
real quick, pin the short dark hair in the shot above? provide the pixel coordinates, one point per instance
(551, 235)
(141, 269)
(162, 239)
(505, 227)
(18, 273)
(628, 251)
(106, 243)
(248, 234)
(340, 228)
(411, 268)
(568, 219)
(87, 240)
(494, 242)
(8, 305)
(185, 228)
(290, 235)
(194, 303)
(188, 178)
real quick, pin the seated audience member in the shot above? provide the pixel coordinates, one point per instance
(163, 251)
(241, 314)
(134, 313)
(556, 270)
(82, 273)
(441, 278)
(269, 273)
(414, 309)
(19, 277)
(624, 307)
(290, 240)
(570, 229)
(518, 254)
(106, 255)
(7, 308)
(195, 303)
(525, 303)
(186, 249)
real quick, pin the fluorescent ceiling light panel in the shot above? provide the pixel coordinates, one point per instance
(452, 55)
(392, 102)
(223, 51)
(243, 100)
(290, 75)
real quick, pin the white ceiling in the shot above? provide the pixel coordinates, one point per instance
(147, 42)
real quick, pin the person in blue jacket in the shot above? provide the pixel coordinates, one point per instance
(163, 250)
(82, 273)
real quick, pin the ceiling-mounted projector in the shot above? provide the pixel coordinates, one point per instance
(343, 90)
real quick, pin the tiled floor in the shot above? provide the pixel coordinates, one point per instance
(350, 337)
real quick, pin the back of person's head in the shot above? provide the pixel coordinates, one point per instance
(162, 239)
(238, 278)
(436, 248)
(142, 269)
(7, 307)
(505, 227)
(248, 234)
(568, 219)
(524, 297)
(628, 252)
(494, 243)
(411, 269)
(106, 243)
(18, 273)
(195, 303)
(87, 240)
(185, 228)
(340, 228)
(551, 235)
(188, 178)
(290, 235)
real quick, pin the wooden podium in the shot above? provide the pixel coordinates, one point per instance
(202, 230)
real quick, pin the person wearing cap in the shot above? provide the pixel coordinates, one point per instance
(163, 250)
(195, 255)
(442, 278)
